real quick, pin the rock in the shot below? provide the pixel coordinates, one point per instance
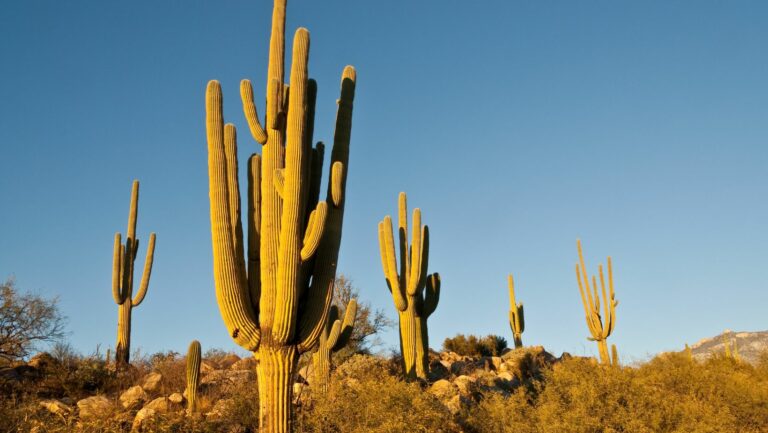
(465, 385)
(94, 407)
(495, 362)
(176, 398)
(458, 403)
(143, 417)
(444, 390)
(133, 397)
(300, 392)
(159, 405)
(226, 377)
(437, 371)
(248, 363)
(221, 409)
(152, 382)
(57, 407)
(228, 361)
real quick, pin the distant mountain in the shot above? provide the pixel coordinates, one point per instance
(749, 345)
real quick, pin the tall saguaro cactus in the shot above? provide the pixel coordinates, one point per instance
(193, 375)
(123, 258)
(334, 337)
(275, 300)
(600, 326)
(415, 293)
(516, 316)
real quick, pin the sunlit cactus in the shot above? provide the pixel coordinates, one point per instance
(688, 352)
(334, 337)
(614, 356)
(516, 314)
(274, 299)
(193, 375)
(415, 293)
(123, 259)
(600, 326)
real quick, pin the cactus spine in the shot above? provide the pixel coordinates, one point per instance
(193, 375)
(334, 337)
(600, 327)
(415, 293)
(274, 301)
(516, 314)
(123, 258)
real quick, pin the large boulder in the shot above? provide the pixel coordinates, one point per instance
(176, 398)
(143, 417)
(133, 397)
(152, 382)
(95, 407)
(159, 405)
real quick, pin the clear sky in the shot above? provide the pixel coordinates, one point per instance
(516, 126)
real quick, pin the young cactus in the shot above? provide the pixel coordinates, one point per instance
(274, 300)
(415, 293)
(688, 352)
(193, 375)
(123, 258)
(614, 356)
(516, 315)
(334, 337)
(600, 326)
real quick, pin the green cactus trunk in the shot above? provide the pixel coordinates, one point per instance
(602, 348)
(276, 371)
(421, 360)
(123, 345)
(407, 321)
(194, 358)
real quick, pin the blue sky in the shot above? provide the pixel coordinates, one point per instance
(515, 126)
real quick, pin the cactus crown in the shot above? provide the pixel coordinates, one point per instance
(412, 282)
(600, 326)
(516, 313)
(280, 290)
(124, 257)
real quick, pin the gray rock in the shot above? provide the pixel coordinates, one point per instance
(142, 418)
(152, 382)
(133, 397)
(94, 407)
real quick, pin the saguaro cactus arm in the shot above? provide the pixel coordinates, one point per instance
(232, 291)
(431, 294)
(147, 272)
(346, 327)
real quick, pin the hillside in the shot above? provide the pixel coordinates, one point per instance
(749, 345)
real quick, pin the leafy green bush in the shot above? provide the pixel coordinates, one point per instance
(490, 345)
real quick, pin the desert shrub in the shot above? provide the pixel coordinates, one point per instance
(490, 345)
(365, 396)
(500, 414)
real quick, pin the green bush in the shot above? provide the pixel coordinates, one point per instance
(490, 345)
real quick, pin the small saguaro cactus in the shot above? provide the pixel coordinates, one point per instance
(274, 290)
(688, 352)
(516, 315)
(334, 337)
(193, 375)
(415, 293)
(614, 356)
(124, 256)
(600, 326)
